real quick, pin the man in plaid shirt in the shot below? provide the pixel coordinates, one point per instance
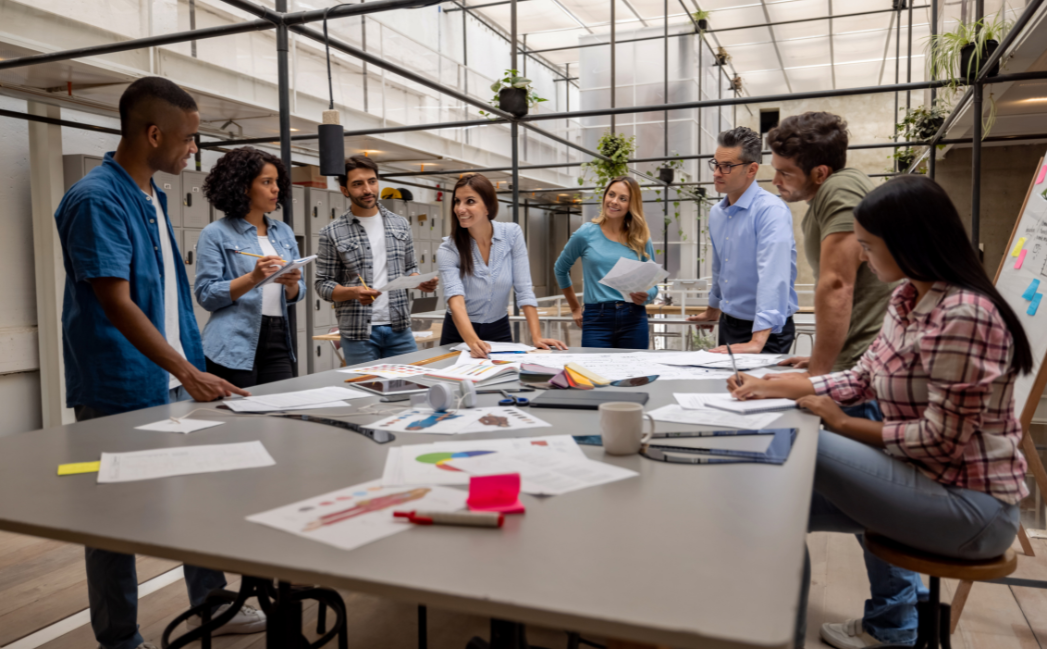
(367, 246)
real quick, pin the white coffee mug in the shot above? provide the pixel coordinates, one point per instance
(621, 425)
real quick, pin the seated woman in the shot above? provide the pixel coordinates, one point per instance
(479, 263)
(619, 232)
(247, 340)
(943, 472)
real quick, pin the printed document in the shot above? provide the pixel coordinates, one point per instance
(713, 417)
(546, 474)
(406, 281)
(182, 460)
(300, 399)
(183, 426)
(631, 276)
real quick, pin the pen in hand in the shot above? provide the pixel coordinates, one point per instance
(737, 375)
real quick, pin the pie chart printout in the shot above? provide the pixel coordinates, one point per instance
(442, 460)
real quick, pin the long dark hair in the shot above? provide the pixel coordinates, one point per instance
(923, 232)
(462, 240)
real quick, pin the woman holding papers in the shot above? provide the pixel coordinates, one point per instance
(620, 232)
(943, 472)
(247, 341)
(480, 263)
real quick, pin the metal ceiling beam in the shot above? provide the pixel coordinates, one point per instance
(774, 42)
(887, 45)
(629, 5)
(360, 132)
(832, 49)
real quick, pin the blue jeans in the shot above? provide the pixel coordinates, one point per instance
(890, 612)
(615, 325)
(384, 342)
(857, 487)
(112, 579)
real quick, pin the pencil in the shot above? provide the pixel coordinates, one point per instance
(251, 254)
(363, 282)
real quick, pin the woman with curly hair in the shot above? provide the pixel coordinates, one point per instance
(247, 340)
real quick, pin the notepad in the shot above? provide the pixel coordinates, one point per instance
(754, 407)
(286, 268)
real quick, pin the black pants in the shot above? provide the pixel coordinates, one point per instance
(734, 332)
(272, 358)
(493, 332)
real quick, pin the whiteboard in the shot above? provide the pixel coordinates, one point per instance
(1028, 249)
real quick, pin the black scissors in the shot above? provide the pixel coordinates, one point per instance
(510, 400)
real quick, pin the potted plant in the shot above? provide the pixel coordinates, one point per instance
(957, 56)
(736, 83)
(666, 174)
(513, 94)
(722, 57)
(619, 149)
(921, 123)
(702, 18)
(904, 158)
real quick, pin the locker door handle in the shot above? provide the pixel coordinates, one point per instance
(332, 213)
(189, 199)
(189, 258)
(318, 351)
(315, 213)
(318, 305)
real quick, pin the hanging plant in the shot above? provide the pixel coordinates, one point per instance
(921, 123)
(513, 94)
(904, 158)
(619, 149)
(702, 18)
(722, 57)
(736, 83)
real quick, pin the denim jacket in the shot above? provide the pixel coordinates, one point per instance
(231, 334)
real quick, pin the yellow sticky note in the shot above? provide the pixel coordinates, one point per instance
(1018, 247)
(79, 467)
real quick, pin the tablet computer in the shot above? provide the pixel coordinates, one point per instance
(388, 387)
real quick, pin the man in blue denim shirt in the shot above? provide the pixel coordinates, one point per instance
(129, 335)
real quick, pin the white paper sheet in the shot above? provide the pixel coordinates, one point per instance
(183, 460)
(406, 281)
(699, 400)
(183, 426)
(751, 443)
(544, 473)
(712, 417)
(721, 361)
(429, 464)
(388, 371)
(243, 405)
(631, 276)
(358, 515)
(497, 347)
(286, 268)
(457, 422)
(300, 399)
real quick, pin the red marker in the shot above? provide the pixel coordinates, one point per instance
(474, 519)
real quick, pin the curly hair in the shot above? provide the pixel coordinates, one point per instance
(228, 185)
(811, 139)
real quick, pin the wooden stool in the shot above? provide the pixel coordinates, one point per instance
(934, 627)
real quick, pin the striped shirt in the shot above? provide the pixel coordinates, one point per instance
(486, 290)
(344, 256)
(940, 371)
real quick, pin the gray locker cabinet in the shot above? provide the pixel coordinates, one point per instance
(190, 237)
(172, 186)
(196, 211)
(338, 204)
(424, 250)
(301, 312)
(303, 352)
(395, 205)
(298, 200)
(323, 312)
(322, 356)
(76, 166)
(317, 209)
(416, 215)
(436, 223)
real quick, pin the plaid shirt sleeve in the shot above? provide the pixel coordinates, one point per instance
(963, 353)
(850, 387)
(328, 264)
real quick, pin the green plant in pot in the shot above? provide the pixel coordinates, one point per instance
(702, 18)
(619, 149)
(513, 94)
(904, 158)
(722, 57)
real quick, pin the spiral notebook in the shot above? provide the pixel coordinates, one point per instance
(753, 407)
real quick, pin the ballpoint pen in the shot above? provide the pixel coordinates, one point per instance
(737, 375)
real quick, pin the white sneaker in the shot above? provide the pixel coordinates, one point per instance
(848, 635)
(246, 620)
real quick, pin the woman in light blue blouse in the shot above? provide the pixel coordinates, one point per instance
(247, 341)
(479, 263)
(620, 231)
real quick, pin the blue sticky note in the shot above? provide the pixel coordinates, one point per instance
(1031, 291)
(1035, 304)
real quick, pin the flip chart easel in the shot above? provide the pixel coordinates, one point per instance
(1021, 276)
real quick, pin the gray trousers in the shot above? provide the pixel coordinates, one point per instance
(858, 488)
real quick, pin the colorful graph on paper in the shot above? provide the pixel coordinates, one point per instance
(442, 460)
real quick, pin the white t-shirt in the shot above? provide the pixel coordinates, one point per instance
(271, 291)
(171, 329)
(375, 229)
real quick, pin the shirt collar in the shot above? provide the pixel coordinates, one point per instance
(109, 161)
(904, 300)
(242, 226)
(499, 230)
(744, 201)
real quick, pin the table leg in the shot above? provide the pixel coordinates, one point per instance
(504, 635)
(283, 629)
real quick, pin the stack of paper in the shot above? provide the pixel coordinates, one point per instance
(358, 515)
(182, 460)
(330, 397)
(631, 276)
(498, 348)
(388, 371)
(460, 421)
(487, 372)
(695, 409)
(721, 361)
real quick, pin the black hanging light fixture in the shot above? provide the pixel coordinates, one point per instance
(331, 133)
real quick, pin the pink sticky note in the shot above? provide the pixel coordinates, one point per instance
(1021, 258)
(495, 493)
(1043, 174)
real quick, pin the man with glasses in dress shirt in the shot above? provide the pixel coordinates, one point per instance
(754, 254)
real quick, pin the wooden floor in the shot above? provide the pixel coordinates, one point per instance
(42, 582)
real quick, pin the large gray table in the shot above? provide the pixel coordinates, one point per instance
(686, 556)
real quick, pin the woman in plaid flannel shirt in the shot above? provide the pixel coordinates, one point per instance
(943, 472)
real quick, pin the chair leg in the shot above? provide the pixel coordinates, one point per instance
(321, 619)
(1023, 538)
(963, 589)
(945, 633)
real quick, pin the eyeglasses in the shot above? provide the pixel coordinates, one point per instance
(724, 167)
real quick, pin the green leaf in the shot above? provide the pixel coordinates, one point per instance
(496, 86)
